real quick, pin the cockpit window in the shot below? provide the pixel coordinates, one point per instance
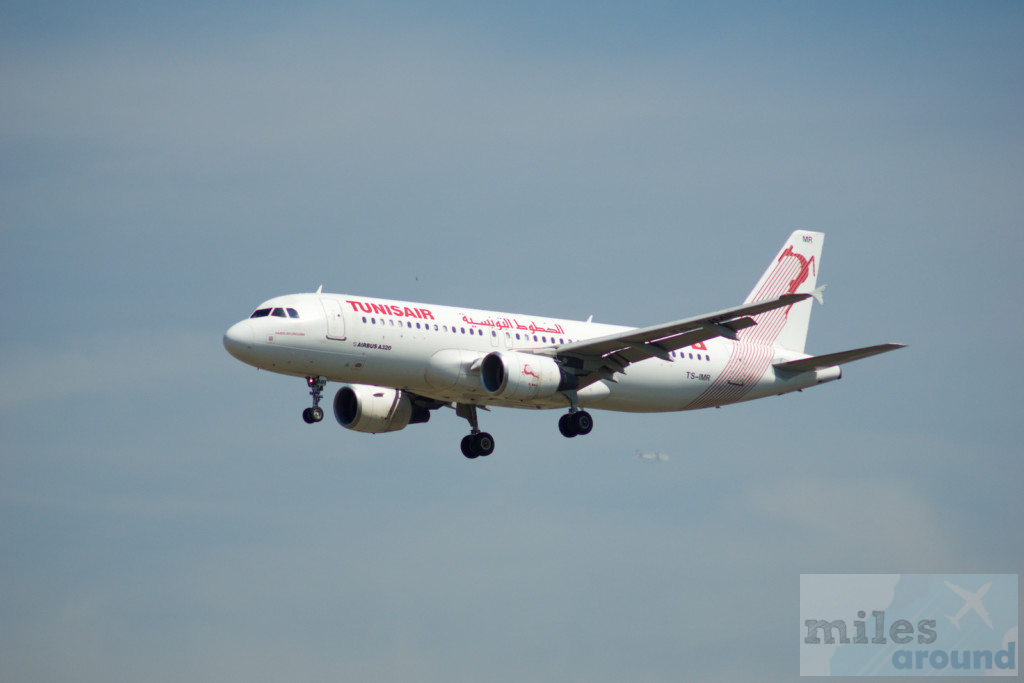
(276, 312)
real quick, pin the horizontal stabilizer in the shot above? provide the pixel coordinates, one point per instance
(832, 359)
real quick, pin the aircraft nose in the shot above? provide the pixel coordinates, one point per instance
(239, 338)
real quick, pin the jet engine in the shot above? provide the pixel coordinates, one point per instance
(522, 376)
(374, 410)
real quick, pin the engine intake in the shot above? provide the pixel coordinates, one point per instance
(374, 410)
(522, 376)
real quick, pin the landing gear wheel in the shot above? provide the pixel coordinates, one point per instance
(468, 448)
(575, 424)
(483, 443)
(476, 445)
(307, 416)
(581, 421)
(565, 426)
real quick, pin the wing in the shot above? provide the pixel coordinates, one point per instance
(601, 358)
(831, 359)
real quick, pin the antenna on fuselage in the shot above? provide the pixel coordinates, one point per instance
(320, 289)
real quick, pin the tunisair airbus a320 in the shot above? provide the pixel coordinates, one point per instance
(401, 360)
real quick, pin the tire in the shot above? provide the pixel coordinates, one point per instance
(483, 444)
(307, 416)
(565, 426)
(469, 447)
(317, 413)
(582, 422)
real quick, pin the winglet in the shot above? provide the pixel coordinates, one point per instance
(819, 293)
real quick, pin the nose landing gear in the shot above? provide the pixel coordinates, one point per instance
(315, 413)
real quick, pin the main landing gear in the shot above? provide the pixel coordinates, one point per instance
(316, 387)
(576, 423)
(476, 443)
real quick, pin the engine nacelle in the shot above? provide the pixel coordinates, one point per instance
(375, 410)
(455, 370)
(522, 376)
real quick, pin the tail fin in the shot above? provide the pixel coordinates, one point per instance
(793, 271)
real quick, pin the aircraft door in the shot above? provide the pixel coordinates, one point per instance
(335, 319)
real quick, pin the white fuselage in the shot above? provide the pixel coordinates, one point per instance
(434, 351)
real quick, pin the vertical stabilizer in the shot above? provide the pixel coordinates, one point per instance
(793, 271)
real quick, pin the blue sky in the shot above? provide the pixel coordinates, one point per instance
(165, 513)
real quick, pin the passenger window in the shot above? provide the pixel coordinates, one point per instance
(261, 313)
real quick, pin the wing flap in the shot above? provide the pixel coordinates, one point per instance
(838, 358)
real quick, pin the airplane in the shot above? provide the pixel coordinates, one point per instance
(661, 457)
(972, 601)
(400, 360)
